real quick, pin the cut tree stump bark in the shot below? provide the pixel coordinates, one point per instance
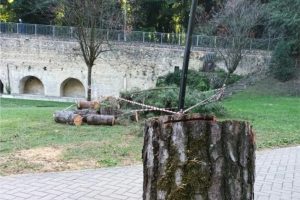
(191, 157)
(100, 120)
(67, 117)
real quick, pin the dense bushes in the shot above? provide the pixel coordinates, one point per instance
(282, 64)
(166, 94)
(195, 80)
(201, 81)
(167, 97)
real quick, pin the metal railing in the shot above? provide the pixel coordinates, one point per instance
(178, 39)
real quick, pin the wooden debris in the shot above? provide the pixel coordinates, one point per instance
(85, 112)
(67, 117)
(100, 119)
(88, 105)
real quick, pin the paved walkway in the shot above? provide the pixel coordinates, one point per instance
(277, 177)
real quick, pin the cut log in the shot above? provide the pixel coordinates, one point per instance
(100, 120)
(85, 112)
(88, 105)
(110, 111)
(67, 117)
(134, 116)
(188, 158)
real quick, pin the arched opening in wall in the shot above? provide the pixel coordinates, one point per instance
(72, 87)
(31, 85)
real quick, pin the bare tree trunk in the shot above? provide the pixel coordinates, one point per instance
(186, 157)
(89, 83)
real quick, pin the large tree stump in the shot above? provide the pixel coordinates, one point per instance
(186, 157)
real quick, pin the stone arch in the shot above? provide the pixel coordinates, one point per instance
(31, 85)
(72, 87)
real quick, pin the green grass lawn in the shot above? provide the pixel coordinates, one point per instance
(275, 119)
(31, 141)
(28, 125)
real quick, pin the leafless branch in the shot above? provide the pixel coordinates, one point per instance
(235, 22)
(93, 21)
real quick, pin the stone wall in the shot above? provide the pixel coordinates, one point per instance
(127, 66)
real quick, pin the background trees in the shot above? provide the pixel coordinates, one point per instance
(168, 15)
(284, 21)
(34, 11)
(6, 12)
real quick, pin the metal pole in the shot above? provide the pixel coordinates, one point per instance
(125, 21)
(187, 55)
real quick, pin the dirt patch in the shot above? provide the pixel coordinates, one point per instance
(44, 154)
(43, 159)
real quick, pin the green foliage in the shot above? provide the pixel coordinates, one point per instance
(165, 95)
(201, 81)
(284, 20)
(35, 11)
(282, 64)
(168, 98)
(196, 80)
(6, 12)
(172, 15)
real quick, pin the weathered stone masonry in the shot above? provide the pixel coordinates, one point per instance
(44, 66)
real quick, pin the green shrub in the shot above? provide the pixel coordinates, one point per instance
(168, 98)
(201, 81)
(196, 80)
(166, 93)
(282, 64)
(217, 78)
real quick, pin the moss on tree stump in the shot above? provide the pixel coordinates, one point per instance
(186, 157)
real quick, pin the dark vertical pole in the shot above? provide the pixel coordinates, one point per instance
(187, 55)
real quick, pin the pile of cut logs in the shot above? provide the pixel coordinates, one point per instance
(89, 112)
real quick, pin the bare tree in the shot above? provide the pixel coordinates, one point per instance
(94, 21)
(235, 24)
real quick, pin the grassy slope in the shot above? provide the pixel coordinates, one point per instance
(29, 124)
(276, 119)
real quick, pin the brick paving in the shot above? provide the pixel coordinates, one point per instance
(277, 177)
